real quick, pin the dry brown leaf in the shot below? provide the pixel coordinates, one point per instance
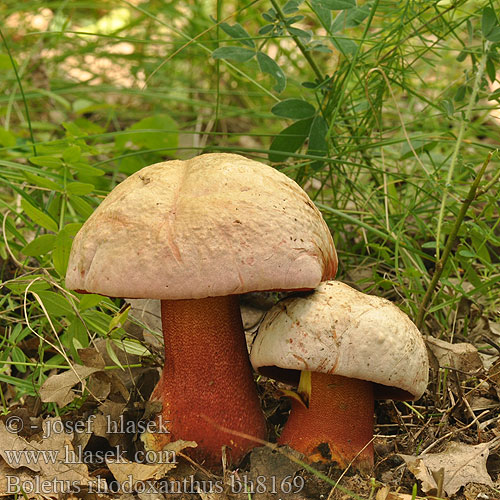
(148, 312)
(8, 479)
(462, 464)
(126, 472)
(212, 496)
(463, 357)
(385, 493)
(44, 468)
(58, 388)
(494, 376)
(268, 463)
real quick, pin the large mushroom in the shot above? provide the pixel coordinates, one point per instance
(349, 348)
(195, 234)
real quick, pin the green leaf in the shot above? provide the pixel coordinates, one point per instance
(344, 45)
(237, 32)
(131, 346)
(89, 300)
(18, 356)
(85, 169)
(291, 6)
(77, 331)
(7, 138)
(488, 21)
(270, 15)
(19, 285)
(467, 253)
(350, 18)
(112, 354)
(97, 320)
(300, 33)
(46, 161)
(39, 217)
(289, 140)
(269, 66)
(15, 336)
(293, 108)
(41, 245)
(490, 70)
(38, 180)
(460, 94)
(55, 304)
(72, 154)
(154, 132)
(81, 206)
(266, 29)
(80, 188)
(494, 35)
(60, 254)
(462, 55)
(72, 228)
(323, 14)
(119, 319)
(448, 107)
(233, 53)
(317, 140)
(319, 47)
(337, 4)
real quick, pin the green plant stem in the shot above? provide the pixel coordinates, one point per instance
(450, 242)
(14, 67)
(217, 64)
(463, 126)
(317, 71)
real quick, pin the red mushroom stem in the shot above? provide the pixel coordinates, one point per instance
(207, 380)
(337, 426)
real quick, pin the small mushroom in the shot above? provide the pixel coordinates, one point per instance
(349, 349)
(195, 234)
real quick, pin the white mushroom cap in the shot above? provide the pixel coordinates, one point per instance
(218, 224)
(341, 331)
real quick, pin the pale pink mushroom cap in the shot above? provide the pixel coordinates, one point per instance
(340, 331)
(217, 224)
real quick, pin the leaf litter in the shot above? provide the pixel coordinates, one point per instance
(460, 436)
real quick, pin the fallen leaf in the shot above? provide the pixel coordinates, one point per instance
(154, 467)
(385, 493)
(58, 388)
(52, 462)
(462, 464)
(463, 357)
(272, 468)
(146, 311)
(494, 376)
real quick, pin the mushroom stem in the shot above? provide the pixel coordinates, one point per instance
(337, 426)
(207, 382)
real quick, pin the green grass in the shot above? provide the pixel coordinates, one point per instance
(394, 119)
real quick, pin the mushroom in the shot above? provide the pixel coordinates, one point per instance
(195, 234)
(349, 348)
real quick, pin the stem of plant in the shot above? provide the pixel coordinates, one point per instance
(317, 71)
(14, 67)
(450, 241)
(463, 125)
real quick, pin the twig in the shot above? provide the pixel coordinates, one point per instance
(453, 433)
(450, 241)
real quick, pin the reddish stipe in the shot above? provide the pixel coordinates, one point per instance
(337, 426)
(207, 379)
